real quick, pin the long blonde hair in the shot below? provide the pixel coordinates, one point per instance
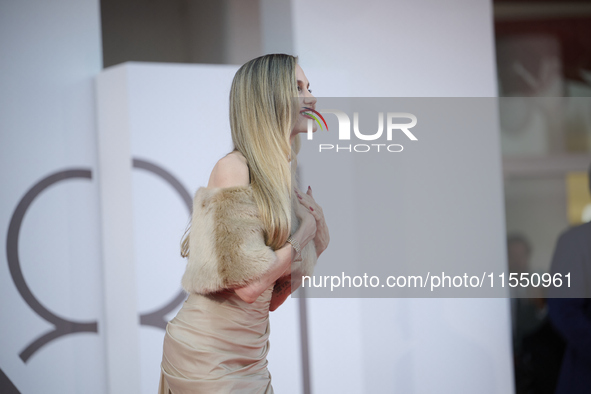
(262, 115)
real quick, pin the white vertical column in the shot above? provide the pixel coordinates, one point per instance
(50, 51)
(407, 49)
(121, 325)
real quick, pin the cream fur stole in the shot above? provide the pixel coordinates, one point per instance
(226, 242)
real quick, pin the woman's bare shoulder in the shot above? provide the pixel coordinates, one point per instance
(230, 170)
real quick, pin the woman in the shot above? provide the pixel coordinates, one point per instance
(252, 235)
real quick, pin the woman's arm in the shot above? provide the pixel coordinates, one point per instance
(281, 291)
(253, 290)
(281, 270)
(285, 285)
(322, 237)
(283, 288)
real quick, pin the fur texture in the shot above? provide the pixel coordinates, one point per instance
(226, 242)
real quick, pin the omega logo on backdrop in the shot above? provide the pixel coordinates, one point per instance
(63, 326)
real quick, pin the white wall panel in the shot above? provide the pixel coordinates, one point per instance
(49, 211)
(407, 49)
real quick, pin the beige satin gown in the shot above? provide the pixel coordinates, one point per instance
(217, 344)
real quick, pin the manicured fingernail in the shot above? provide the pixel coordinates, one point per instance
(311, 208)
(300, 197)
(309, 188)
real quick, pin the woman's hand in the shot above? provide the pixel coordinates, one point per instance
(322, 237)
(304, 234)
(307, 230)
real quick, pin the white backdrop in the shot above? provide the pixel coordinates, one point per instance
(427, 48)
(51, 52)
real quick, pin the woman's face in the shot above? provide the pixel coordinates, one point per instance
(306, 101)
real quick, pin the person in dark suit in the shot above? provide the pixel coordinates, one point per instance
(537, 348)
(569, 308)
(526, 311)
